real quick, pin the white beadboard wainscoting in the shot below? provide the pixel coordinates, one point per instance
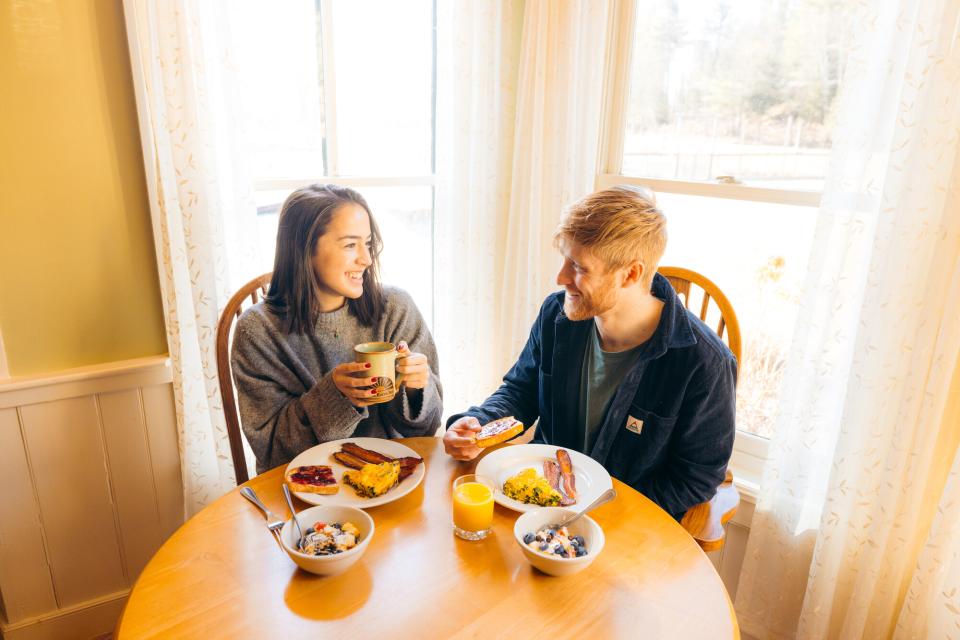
(729, 559)
(90, 472)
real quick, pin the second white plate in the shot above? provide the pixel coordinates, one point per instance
(592, 479)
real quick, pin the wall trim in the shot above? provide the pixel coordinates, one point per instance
(82, 381)
(102, 612)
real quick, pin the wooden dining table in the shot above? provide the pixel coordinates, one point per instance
(222, 575)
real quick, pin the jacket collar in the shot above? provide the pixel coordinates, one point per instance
(674, 330)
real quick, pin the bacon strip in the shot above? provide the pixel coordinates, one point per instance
(354, 456)
(566, 471)
(551, 471)
(371, 457)
(349, 460)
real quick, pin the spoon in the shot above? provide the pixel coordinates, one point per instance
(603, 498)
(293, 514)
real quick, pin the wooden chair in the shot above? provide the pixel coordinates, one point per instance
(252, 290)
(705, 521)
(681, 281)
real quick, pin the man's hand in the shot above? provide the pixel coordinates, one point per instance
(459, 440)
(355, 389)
(414, 367)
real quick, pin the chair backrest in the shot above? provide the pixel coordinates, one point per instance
(705, 521)
(681, 280)
(254, 291)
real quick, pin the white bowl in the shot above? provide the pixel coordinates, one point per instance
(533, 521)
(333, 564)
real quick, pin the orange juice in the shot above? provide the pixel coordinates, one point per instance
(472, 507)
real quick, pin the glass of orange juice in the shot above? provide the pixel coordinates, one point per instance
(472, 507)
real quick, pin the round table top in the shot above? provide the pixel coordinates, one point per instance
(223, 575)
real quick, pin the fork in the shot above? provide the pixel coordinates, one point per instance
(273, 522)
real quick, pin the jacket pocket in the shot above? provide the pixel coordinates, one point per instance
(639, 421)
(641, 442)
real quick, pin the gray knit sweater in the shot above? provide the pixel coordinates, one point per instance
(288, 402)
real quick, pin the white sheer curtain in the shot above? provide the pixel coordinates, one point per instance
(555, 150)
(866, 434)
(478, 57)
(202, 209)
(518, 125)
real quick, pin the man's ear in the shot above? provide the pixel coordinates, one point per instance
(633, 273)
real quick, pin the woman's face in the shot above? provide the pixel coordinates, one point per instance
(342, 255)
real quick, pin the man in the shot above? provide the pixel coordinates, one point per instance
(616, 367)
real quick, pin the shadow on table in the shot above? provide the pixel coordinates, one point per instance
(328, 598)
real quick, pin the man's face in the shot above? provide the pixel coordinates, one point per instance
(590, 287)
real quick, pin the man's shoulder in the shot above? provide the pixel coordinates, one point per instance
(709, 348)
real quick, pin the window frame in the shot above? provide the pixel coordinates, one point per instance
(750, 451)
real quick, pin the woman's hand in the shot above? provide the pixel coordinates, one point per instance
(355, 389)
(414, 367)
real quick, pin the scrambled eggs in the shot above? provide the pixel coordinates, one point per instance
(373, 479)
(531, 488)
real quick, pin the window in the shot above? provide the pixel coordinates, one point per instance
(725, 109)
(323, 105)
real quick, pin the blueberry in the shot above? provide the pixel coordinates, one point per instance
(578, 540)
(581, 551)
(527, 539)
(538, 538)
(559, 551)
(544, 546)
(308, 531)
(552, 532)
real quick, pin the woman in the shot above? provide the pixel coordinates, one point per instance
(293, 353)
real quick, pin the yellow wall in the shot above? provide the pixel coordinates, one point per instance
(78, 278)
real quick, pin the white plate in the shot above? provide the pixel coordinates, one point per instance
(323, 454)
(592, 479)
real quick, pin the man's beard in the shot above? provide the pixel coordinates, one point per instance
(587, 306)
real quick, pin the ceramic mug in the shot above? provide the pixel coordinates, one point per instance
(382, 357)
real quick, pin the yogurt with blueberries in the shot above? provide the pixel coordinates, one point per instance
(324, 539)
(557, 542)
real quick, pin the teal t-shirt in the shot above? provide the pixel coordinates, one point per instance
(603, 371)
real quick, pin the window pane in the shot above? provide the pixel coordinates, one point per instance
(746, 89)
(383, 75)
(757, 254)
(274, 55)
(405, 218)
(268, 204)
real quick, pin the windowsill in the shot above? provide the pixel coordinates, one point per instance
(747, 462)
(748, 489)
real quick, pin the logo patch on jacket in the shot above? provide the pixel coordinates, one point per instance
(634, 424)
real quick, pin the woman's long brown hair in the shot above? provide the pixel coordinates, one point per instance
(305, 216)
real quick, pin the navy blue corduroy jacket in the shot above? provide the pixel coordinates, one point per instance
(679, 396)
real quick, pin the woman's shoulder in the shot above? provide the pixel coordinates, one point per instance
(397, 298)
(257, 320)
(399, 305)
